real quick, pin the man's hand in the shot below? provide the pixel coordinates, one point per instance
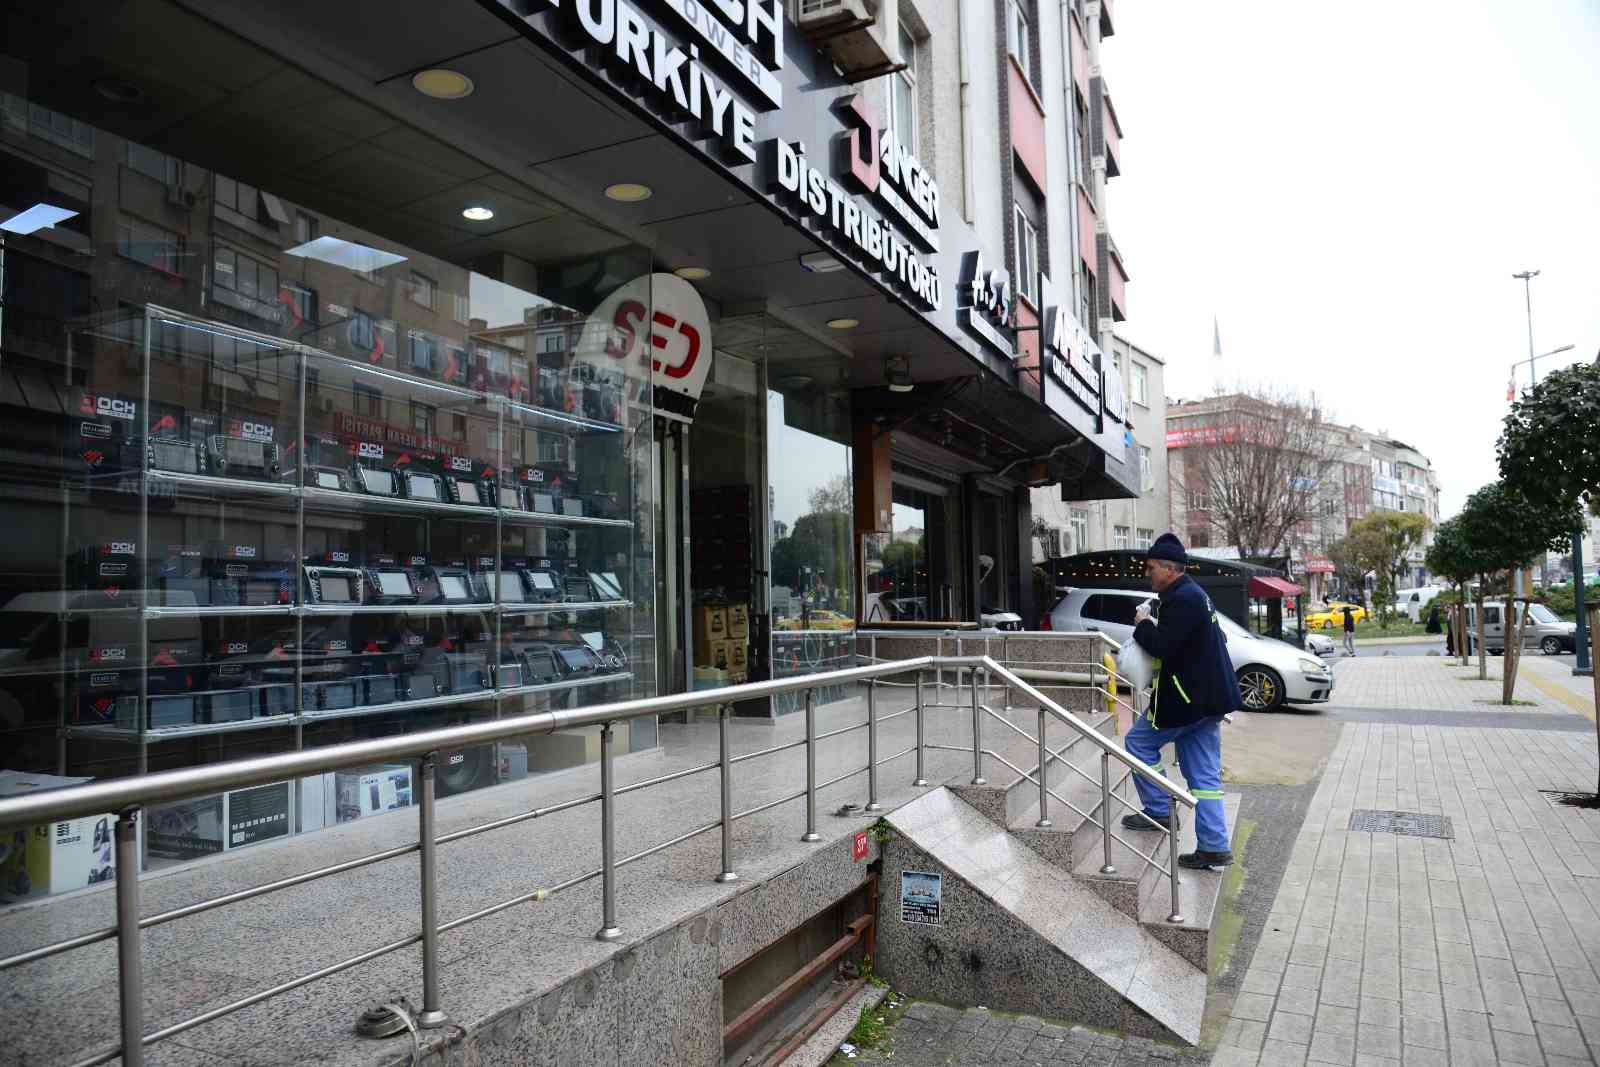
(1142, 613)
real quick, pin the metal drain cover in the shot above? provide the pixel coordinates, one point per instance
(1409, 823)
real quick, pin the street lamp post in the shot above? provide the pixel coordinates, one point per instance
(1581, 666)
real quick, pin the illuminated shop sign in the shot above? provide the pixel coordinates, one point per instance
(673, 79)
(984, 303)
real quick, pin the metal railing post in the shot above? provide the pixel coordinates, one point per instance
(977, 734)
(130, 956)
(1044, 773)
(609, 930)
(432, 1015)
(1172, 860)
(922, 776)
(1105, 811)
(872, 746)
(811, 769)
(728, 874)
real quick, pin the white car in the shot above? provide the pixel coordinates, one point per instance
(1319, 644)
(1271, 673)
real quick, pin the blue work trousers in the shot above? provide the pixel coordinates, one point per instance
(1199, 751)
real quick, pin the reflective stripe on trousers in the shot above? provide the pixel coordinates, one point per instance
(1199, 750)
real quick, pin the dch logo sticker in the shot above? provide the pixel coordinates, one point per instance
(108, 407)
(367, 450)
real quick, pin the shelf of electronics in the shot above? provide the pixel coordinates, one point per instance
(341, 610)
(339, 500)
(166, 733)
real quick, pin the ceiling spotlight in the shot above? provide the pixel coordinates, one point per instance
(442, 84)
(628, 192)
(118, 91)
(897, 374)
(820, 263)
(477, 213)
(692, 274)
(843, 323)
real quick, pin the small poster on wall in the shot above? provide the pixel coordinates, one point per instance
(921, 895)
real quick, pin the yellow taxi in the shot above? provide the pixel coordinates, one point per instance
(827, 619)
(1332, 616)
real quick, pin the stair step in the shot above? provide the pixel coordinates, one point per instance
(1065, 951)
(1023, 794)
(1198, 894)
(1071, 834)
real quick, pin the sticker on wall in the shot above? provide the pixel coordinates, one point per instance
(921, 894)
(858, 847)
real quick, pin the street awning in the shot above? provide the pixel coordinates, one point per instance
(1272, 587)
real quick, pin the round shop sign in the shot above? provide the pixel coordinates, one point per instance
(654, 331)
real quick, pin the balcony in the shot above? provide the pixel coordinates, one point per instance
(1113, 136)
(1106, 29)
(1119, 282)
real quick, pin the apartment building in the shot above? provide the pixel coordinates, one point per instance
(1345, 472)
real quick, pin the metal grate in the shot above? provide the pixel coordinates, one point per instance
(1409, 823)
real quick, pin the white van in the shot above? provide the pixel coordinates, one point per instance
(1544, 630)
(1412, 603)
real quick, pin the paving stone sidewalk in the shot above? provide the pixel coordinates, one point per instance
(1433, 682)
(1390, 949)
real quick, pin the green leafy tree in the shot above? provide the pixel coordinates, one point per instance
(1504, 530)
(1451, 556)
(1381, 541)
(1550, 449)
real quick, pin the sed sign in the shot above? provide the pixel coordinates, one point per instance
(656, 331)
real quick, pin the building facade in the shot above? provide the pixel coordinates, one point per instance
(377, 367)
(1348, 472)
(1064, 528)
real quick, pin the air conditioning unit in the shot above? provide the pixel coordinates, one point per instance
(178, 196)
(849, 31)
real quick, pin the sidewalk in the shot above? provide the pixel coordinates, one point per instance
(1479, 949)
(1553, 678)
(1439, 683)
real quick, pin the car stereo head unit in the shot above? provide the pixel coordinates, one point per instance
(174, 454)
(378, 481)
(421, 485)
(238, 457)
(446, 585)
(468, 491)
(388, 582)
(333, 585)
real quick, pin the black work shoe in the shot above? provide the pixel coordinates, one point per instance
(1201, 860)
(1140, 820)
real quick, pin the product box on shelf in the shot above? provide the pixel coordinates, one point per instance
(101, 431)
(369, 792)
(710, 626)
(739, 621)
(110, 566)
(244, 574)
(54, 857)
(181, 577)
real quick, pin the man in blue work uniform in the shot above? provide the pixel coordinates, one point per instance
(1195, 686)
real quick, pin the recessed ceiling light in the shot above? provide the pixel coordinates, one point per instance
(118, 91)
(843, 324)
(442, 84)
(629, 192)
(477, 213)
(692, 274)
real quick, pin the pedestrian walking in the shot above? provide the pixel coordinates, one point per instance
(1433, 617)
(1194, 688)
(1349, 631)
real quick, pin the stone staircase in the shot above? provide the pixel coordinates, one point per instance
(1096, 947)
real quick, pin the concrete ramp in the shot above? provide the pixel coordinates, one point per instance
(1017, 933)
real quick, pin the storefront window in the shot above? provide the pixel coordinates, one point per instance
(813, 565)
(265, 479)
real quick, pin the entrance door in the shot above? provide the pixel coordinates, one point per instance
(672, 556)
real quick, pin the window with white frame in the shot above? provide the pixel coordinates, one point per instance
(1147, 470)
(1120, 536)
(150, 245)
(1019, 37)
(1027, 258)
(422, 289)
(463, 311)
(1079, 520)
(1198, 501)
(903, 95)
(1145, 538)
(1141, 384)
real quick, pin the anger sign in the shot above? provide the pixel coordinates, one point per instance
(655, 334)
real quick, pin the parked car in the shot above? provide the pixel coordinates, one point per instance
(1271, 673)
(1544, 630)
(1319, 644)
(1332, 616)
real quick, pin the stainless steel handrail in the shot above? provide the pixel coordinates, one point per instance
(129, 796)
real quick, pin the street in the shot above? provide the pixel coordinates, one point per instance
(1413, 648)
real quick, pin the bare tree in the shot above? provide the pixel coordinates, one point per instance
(1259, 463)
